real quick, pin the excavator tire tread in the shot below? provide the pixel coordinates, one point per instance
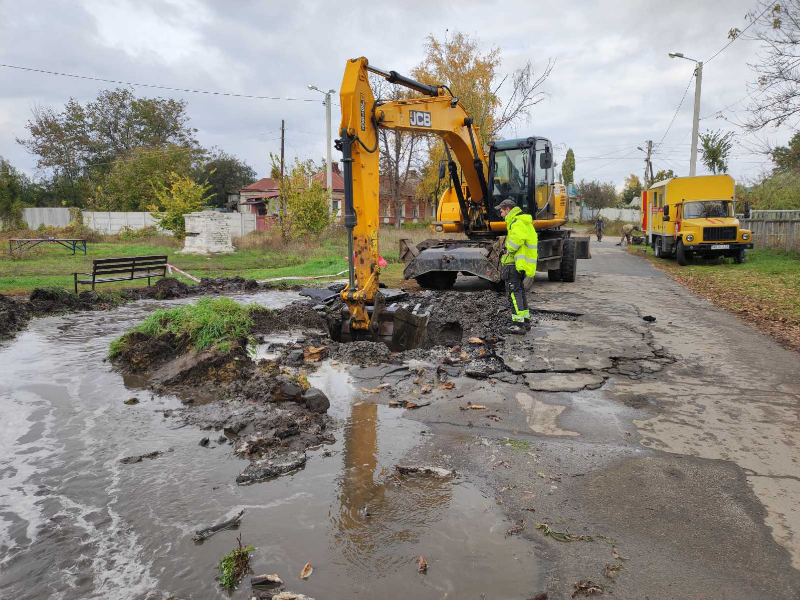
(569, 261)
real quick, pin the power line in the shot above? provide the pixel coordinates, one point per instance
(688, 85)
(741, 32)
(158, 87)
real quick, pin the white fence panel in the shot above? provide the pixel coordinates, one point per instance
(49, 217)
(631, 215)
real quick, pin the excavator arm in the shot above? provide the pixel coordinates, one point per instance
(437, 112)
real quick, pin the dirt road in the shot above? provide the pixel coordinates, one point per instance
(671, 444)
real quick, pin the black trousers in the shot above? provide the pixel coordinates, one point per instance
(515, 290)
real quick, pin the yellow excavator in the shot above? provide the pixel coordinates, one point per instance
(518, 169)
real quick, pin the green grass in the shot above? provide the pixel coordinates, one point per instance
(518, 444)
(233, 566)
(209, 323)
(259, 256)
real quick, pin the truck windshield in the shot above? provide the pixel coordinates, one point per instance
(706, 209)
(511, 173)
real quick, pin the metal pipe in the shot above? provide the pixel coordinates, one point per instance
(350, 218)
(395, 77)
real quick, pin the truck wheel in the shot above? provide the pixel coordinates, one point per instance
(442, 280)
(740, 257)
(554, 274)
(684, 257)
(569, 260)
(657, 249)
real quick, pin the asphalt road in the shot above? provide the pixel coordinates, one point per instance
(671, 444)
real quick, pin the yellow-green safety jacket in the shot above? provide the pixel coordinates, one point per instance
(522, 242)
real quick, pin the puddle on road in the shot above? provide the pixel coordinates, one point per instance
(75, 523)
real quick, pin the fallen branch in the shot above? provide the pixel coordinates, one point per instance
(204, 534)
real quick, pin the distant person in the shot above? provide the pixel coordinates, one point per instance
(627, 232)
(599, 227)
(518, 262)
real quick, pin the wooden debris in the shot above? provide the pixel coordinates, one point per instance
(204, 534)
(422, 565)
(306, 572)
(258, 580)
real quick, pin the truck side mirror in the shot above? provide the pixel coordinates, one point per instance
(666, 212)
(747, 209)
(441, 169)
(546, 159)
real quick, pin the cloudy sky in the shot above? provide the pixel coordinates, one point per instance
(613, 86)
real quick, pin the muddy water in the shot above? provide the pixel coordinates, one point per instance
(75, 523)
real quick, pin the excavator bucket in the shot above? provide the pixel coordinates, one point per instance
(399, 327)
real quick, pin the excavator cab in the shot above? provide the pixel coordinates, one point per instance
(522, 171)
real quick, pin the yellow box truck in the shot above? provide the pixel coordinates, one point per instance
(694, 216)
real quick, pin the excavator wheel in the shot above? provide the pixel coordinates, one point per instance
(437, 280)
(569, 261)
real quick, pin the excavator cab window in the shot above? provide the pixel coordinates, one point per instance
(543, 177)
(511, 177)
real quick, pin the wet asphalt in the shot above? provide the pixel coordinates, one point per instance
(670, 446)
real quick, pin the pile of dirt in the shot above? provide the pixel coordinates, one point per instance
(14, 316)
(222, 285)
(299, 315)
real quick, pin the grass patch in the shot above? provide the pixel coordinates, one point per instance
(518, 444)
(234, 565)
(765, 290)
(209, 323)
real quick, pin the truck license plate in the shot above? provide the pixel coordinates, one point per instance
(720, 246)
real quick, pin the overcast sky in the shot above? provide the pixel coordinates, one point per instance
(613, 86)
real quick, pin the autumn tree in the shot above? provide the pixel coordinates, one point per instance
(568, 168)
(632, 189)
(304, 203)
(495, 100)
(179, 196)
(225, 173)
(715, 148)
(597, 195)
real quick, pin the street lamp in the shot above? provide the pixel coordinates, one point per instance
(329, 171)
(696, 122)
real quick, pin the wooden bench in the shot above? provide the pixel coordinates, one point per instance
(105, 270)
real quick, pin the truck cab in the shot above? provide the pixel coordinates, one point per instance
(694, 216)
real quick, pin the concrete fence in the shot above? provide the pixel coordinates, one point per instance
(109, 223)
(780, 234)
(631, 215)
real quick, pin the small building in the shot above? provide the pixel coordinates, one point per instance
(336, 207)
(573, 203)
(260, 198)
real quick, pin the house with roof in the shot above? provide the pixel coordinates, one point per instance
(260, 198)
(336, 207)
(411, 208)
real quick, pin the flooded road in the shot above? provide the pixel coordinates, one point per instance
(75, 523)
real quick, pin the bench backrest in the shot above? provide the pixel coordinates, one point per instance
(130, 264)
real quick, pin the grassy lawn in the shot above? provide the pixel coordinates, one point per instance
(765, 290)
(259, 256)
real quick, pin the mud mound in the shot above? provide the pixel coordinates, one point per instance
(298, 315)
(53, 300)
(457, 316)
(166, 288)
(225, 284)
(14, 316)
(142, 352)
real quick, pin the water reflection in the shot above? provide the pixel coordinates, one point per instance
(381, 517)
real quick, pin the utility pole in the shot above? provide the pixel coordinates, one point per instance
(648, 164)
(328, 160)
(696, 123)
(283, 137)
(329, 174)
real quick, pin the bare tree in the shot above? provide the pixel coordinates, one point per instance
(524, 95)
(400, 153)
(775, 93)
